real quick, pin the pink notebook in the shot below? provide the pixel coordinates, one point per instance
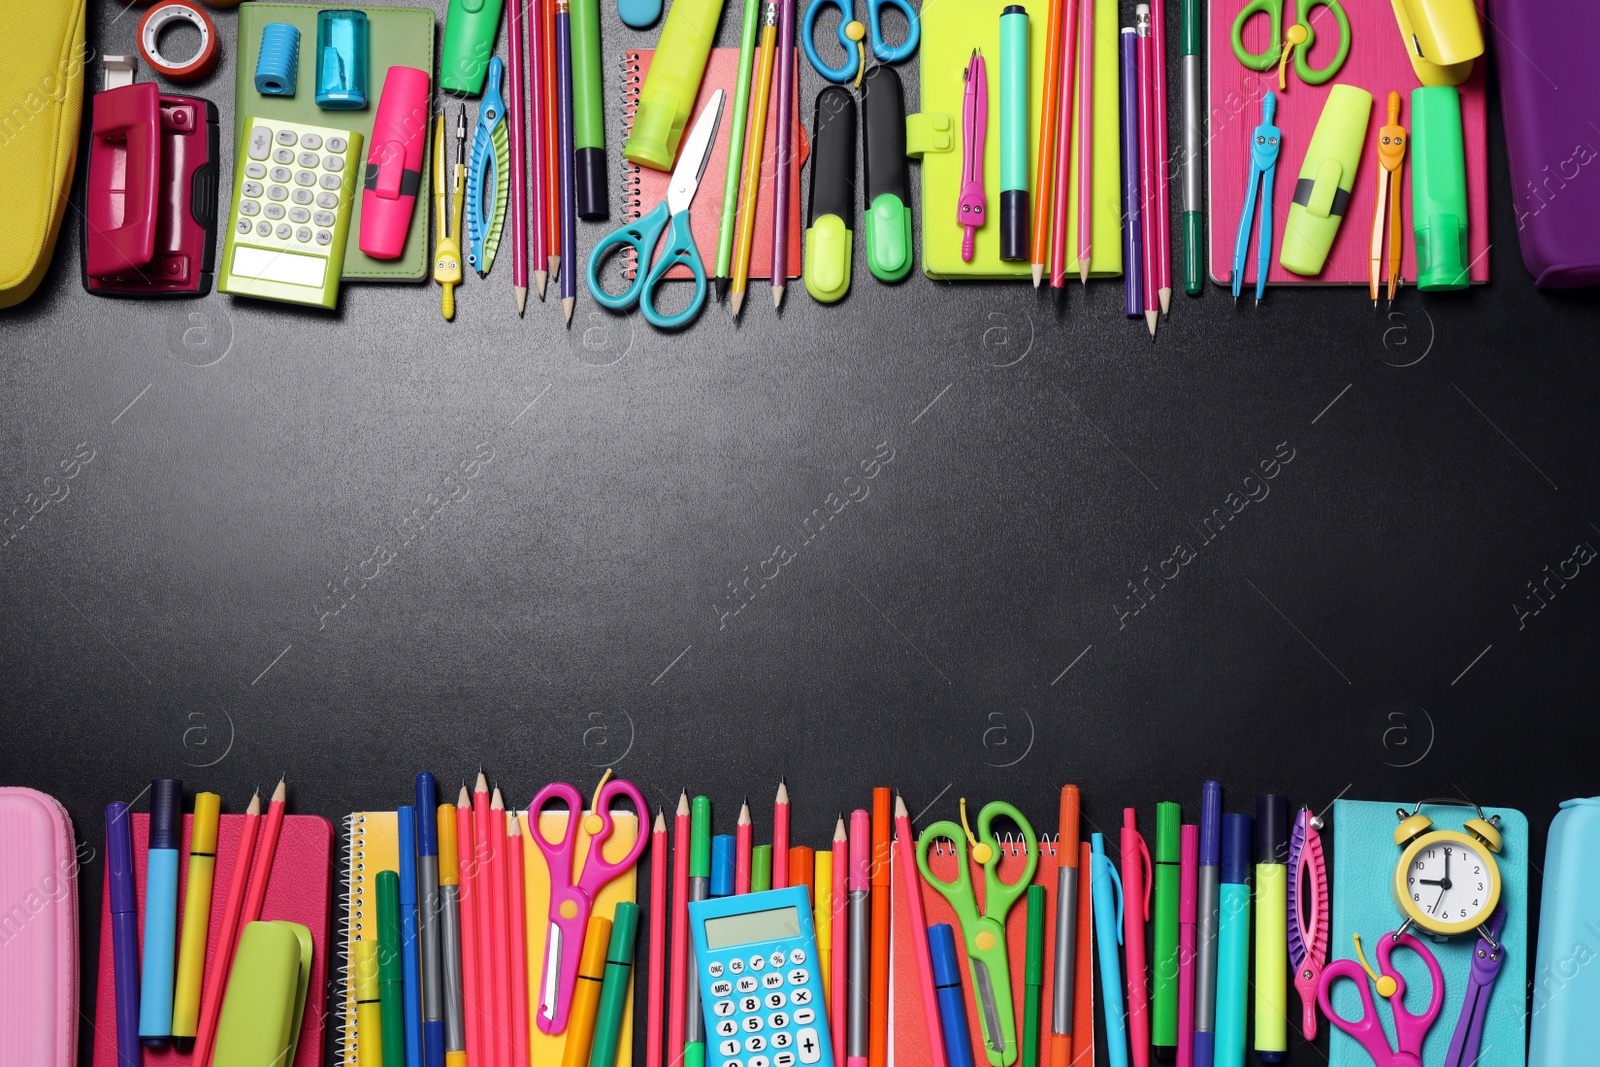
(645, 188)
(1377, 63)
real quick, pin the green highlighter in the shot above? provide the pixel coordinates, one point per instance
(391, 972)
(469, 33)
(614, 988)
(1322, 192)
(883, 135)
(671, 83)
(830, 239)
(1164, 964)
(1439, 189)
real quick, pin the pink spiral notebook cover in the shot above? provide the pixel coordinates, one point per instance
(1377, 63)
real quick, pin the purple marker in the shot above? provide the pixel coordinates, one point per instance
(124, 931)
(1132, 244)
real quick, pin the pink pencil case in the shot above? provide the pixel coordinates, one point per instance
(38, 931)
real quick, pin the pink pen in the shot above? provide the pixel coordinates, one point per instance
(839, 954)
(1147, 163)
(972, 203)
(1188, 917)
(394, 162)
(1086, 138)
(1136, 867)
(857, 1032)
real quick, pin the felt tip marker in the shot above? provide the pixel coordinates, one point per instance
(160, 912)
(1272, 924)
(952, 1003)
(1233, 941)
(1164, 962)
(1066, 947)
(1207, 891)
(124, 930)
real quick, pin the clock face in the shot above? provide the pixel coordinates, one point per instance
(1449, 882)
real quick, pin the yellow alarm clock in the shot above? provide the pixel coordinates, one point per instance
(1447, 881)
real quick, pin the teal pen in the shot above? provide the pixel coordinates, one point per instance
(1107, 889)
(1016, 221)
(1194, 136)
(1233, 940)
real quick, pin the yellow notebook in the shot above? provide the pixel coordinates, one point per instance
(950, 31)
(372, 846)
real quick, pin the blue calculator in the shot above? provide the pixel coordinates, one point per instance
(759, 980)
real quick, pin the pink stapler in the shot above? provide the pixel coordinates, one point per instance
(394, 162)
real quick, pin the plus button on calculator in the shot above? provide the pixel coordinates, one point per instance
(757, 956)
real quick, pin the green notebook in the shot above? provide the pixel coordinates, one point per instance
(950, 31)
(399, 37)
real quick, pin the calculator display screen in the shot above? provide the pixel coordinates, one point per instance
(770, 925)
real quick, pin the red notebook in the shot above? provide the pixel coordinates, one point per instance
(299, 891)
(910, 1036)
(1377, 63)
(644, 188)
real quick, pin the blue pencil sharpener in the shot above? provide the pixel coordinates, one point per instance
(341, 60)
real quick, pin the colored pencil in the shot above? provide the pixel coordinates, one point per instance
(467, 863)
(754, 151)
(802, 868)
(1132, 220)
(780, 220)
(680, 932)
(917, 921)
(655, 983)
(569, 202)
(1163, 204)
(517, 64)
(261, 867)
(878, 1046)
(743, 832)
(499, 931)
(489, 1028)
(741, 102)
(1062, 145)
(1147, 165)
(1086, 31)
(839, 957)
(540, 215)
(552, 146)
(780, 838)
(857, 1033)
(216, 978)
(517, 940)
(1043, 190)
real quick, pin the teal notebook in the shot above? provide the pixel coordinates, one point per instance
(1364, 855)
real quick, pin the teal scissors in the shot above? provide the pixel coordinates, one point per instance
(985, 934)
(851, 32)
(1281, 44)
(643, 233)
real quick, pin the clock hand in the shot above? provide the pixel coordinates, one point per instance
(1425, 881)
(1436, 903)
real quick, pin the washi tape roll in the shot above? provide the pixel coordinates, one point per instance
(164, 14)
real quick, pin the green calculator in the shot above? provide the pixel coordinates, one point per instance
(294, 190)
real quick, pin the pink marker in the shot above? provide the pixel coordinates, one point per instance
(972, 203)
(859, 1026)
(394, 162)
(839, 954)
(1188, 917)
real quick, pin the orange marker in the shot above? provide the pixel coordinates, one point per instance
(802, 863)
(878, 1044)
(586, 994)
(1066, 955)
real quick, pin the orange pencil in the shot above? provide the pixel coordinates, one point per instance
(266, 851)
(216, 975)
(467, 864)
(741, 851)
(680, 932)
(1068, 950)
(917, 918)
(655, 983)
(499, 932)
(552, 151)
(1048, 111)
(517, 940)
(802, 863)
(780, 838)
(878, 990)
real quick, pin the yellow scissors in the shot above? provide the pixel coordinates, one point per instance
(1282, 44)
(985, 934)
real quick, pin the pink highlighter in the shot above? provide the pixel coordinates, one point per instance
(394, 162)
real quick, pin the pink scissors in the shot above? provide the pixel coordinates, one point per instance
(571, 904)
(1410, 1030)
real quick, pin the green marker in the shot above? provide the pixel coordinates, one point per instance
(469, 33)
(1016, 221)
(391, 994)
(1033, 977)
(614, 989)
(1439, 189)
(883, 142)
(761, 868)
(588, 113)
(694, 1031)
(1164, 995)
(1194, 135)
(730, 184)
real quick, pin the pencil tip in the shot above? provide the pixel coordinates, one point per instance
(1165, 296)
(777, 297)
(541, 279)
(783, 792)
(722, 289)
(1038, 274)
(463, 800)
(1150, 321)
(661, 822)
(497, 802)
(566, 307)
(555, 268)
(280, 793)
(735, 304)
(522, 299)
(254, 807)
(482, 784)
(1083, 272)
(900, 811)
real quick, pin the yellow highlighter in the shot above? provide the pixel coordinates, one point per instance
(455, 1020)
(1272, 917)
(196, 920)
(586, 994)
(822, 897)
(369, 1019)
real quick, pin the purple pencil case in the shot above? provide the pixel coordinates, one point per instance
(1545, 61)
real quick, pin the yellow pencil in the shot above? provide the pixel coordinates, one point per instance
(196, 920)
(369, 1020)
(754, 149)
(822, 900)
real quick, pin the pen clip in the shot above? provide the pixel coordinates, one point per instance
(1149, 872)
(1116, 883)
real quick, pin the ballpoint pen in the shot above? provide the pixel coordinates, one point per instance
(858, 1034)
(1136, 912)
(1193, 139)
(694, 1036)
(124, 931)
(1108, 922)
(971, 203)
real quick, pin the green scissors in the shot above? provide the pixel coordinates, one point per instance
(1300, 35)
(986, 934)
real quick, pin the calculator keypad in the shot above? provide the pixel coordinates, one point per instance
(763, 1008)
(305, 170)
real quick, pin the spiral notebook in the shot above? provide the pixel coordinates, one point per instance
(908, 1032)
(643, 188)
(299, 890)
(372, 845)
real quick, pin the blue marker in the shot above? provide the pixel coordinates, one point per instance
(1233, 940)
(952, 1004)
(412, 979)
(160, 912)
(428, 893)
(1107, 889)
(1209, 889)
(722, 852)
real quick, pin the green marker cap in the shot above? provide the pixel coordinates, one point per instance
(624, 929)
(1034, 961)
(1168, 818)
(1439, 189)
(700, 837)
(761, 868)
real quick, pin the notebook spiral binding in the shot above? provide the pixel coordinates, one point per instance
(1009, 842)
(632, 199)
(354, 905)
